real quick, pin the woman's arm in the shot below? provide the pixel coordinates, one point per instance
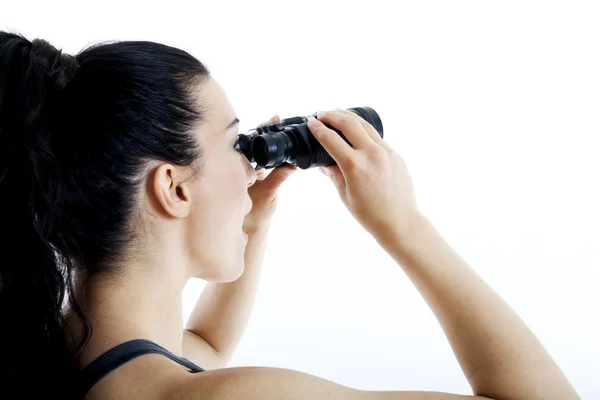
(498, 354)
(223, 310)
(500, 357)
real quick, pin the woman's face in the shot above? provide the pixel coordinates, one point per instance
(220, 202)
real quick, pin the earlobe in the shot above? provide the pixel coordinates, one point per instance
(171, 193)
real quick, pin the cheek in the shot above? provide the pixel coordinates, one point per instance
(233, 185)
(223, 194)
(216, 221)
(236, 181)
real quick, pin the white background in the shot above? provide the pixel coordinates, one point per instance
(493, 105)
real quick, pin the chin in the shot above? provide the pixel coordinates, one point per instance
(232, 274)
(231, 278)
(223, 272)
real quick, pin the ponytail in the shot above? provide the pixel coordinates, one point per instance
(34, 361)
(76, 135)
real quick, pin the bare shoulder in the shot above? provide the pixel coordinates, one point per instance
(149, 377)
(266, 383)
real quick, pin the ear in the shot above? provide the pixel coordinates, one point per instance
(171, 192)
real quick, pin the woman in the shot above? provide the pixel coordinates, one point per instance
(120, 177)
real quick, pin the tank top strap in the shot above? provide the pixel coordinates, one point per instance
(121, 354)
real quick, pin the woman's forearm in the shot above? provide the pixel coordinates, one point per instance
(223, 309)
(499, 355)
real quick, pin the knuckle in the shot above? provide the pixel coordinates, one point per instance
(347, 122)
(352, 115)
(318, 130)
(324, 115)
(350, 166)
(375, 152)
(356, 165)
(345, 118)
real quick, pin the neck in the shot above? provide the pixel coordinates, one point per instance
(146, 304)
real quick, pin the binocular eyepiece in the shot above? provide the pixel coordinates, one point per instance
(290, 141)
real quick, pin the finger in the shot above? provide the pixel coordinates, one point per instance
(350, 128)
(373, 134)
(261, 174)
(273, 120)
(278, 176)
(337, 148)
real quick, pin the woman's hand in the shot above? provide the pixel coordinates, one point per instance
(264, 192)
(371, 178)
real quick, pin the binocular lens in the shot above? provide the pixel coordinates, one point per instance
(260, 149)
(274, 148)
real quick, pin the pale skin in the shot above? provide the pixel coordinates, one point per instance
(499, 355)
(182, 218)
(194, 228)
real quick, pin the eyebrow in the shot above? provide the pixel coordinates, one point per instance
(235, 121)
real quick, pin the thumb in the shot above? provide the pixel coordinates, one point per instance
(278, 176)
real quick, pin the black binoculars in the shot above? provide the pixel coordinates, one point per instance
(291, 142)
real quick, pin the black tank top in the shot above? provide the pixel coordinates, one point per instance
(119, 355)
